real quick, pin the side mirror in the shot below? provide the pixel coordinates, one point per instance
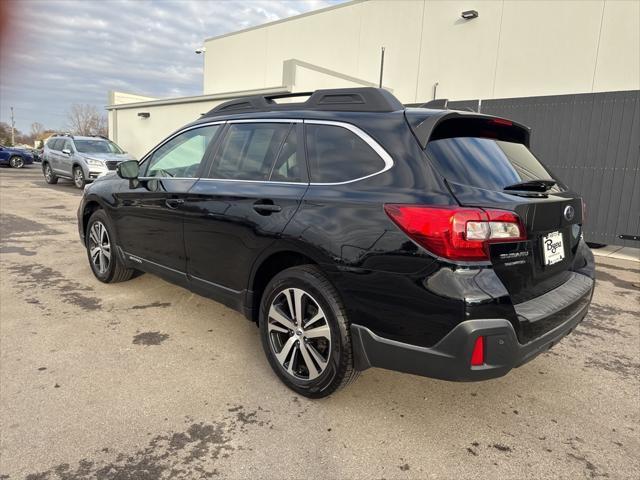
(66, 151)
(128, 170)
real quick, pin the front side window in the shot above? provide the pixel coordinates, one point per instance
(97, 146)
(181, 156)
(339, 155)
(66, 145)
(249, 150)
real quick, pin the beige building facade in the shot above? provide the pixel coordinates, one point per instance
(514, 48)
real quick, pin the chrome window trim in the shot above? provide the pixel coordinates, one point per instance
(251, 181)
(146, 179)
(382, 153)
(205, 179)
(266, 120)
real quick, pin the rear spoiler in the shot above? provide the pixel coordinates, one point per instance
(429, 125)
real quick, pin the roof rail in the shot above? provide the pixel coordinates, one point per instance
(363, 99)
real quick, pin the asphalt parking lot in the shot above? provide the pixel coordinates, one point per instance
(145, 380)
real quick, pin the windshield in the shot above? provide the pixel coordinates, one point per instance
(97, 146)
(485, 162)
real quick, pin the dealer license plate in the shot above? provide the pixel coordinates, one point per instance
(553, 248)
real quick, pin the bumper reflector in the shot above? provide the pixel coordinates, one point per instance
(477, 356)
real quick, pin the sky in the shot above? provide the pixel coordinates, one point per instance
(55, 53)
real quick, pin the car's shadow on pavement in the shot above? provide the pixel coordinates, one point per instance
(66, 186)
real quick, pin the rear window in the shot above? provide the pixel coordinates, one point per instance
(485, 162)
(336, 155)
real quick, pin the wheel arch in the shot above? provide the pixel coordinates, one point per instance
(88, 209)
(267, 266)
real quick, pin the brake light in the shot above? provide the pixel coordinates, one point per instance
(477, 356)
(502, 121)
(457, 233)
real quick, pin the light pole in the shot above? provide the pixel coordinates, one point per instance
(13, 129)
(201, 51)
(381, 66)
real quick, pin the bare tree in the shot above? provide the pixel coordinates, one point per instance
(36, 129)
(102, 127)
(86, 120)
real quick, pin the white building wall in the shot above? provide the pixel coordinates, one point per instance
(515, 47)
(548, 48)
(619, 48)
(138, 135)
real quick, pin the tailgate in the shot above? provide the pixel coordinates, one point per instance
(541, 263)
(487, 164)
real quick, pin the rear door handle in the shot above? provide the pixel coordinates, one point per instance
(266, 208)
(173, 203)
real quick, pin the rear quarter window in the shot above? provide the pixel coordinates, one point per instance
(336, 155)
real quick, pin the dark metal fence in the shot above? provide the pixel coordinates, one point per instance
(592, 142)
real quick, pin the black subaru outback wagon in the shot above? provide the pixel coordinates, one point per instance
(356, 233)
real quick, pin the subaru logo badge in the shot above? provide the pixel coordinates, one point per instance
(569, 212)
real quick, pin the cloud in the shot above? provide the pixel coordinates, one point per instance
(56, 53)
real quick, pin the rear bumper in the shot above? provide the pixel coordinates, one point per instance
(450, 358)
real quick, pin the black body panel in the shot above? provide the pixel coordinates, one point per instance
(228, 224)
(148, 220)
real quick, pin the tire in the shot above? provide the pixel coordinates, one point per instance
(78, 177)
(16, 162)
(286, 344)
(49, 176)
(108, 267)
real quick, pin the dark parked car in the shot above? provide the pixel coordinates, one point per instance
(356, 233)
(37, 154)
(15, 157)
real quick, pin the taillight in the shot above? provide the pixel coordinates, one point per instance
(584, 212)
(457, 233)
(477, 356)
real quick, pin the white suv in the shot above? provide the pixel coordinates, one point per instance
(81, 159)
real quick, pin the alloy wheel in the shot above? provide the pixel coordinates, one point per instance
(16, 162)
(299, 334)
(47, 173)
(78, 177)
(99, 247)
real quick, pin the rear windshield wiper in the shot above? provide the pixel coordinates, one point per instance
(532, 185)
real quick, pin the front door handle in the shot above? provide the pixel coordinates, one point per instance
(174, 203)
(266, 208)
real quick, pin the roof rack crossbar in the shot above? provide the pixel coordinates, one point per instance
(362, 99)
